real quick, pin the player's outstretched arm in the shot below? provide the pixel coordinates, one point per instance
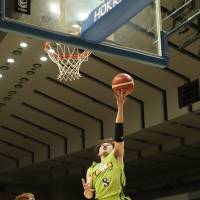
(119, 135)
(87, 186)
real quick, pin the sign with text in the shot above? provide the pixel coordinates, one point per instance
(23, 6)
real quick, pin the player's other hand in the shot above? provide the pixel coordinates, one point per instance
(25, 196)
(87, 186)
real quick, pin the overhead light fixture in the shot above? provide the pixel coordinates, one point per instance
(55, 8)
(1, 75)
(10, 60)
(51, 50)
(43, 58)
(16, 52)
(23, 44)
(83, 16)
(76, 26)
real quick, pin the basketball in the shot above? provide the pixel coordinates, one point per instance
(123, 81)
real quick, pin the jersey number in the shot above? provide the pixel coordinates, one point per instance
(106, 182)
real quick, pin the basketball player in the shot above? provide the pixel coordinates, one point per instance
(25, 196)
(105, 180)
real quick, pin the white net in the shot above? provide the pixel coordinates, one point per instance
(68, 59)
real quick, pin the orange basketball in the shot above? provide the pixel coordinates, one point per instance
(123, 81)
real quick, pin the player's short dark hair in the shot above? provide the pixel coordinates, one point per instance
(110, 141)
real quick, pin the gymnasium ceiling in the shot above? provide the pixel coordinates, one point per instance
(48, 129)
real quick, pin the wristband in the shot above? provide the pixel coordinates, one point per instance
(119, 132)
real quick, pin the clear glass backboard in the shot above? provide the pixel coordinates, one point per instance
(140, 38)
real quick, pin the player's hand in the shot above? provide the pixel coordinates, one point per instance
(25, 196)
(87, 186)
(120, 97)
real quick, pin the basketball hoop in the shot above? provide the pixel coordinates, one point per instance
(68, 59)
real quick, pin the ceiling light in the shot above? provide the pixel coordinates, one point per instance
(16, 52)
(1, 75)
(51, 51)
(43, 58)
(76, 26)
(10, 60)
(23, 44)
(82, 16)
(4, 67)
(55, 8)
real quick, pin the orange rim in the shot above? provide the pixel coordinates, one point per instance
(82, 55)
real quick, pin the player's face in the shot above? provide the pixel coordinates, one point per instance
(105, 149)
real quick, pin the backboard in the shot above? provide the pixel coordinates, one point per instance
(137, 36)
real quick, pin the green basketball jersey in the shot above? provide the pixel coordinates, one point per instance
(108, 178)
